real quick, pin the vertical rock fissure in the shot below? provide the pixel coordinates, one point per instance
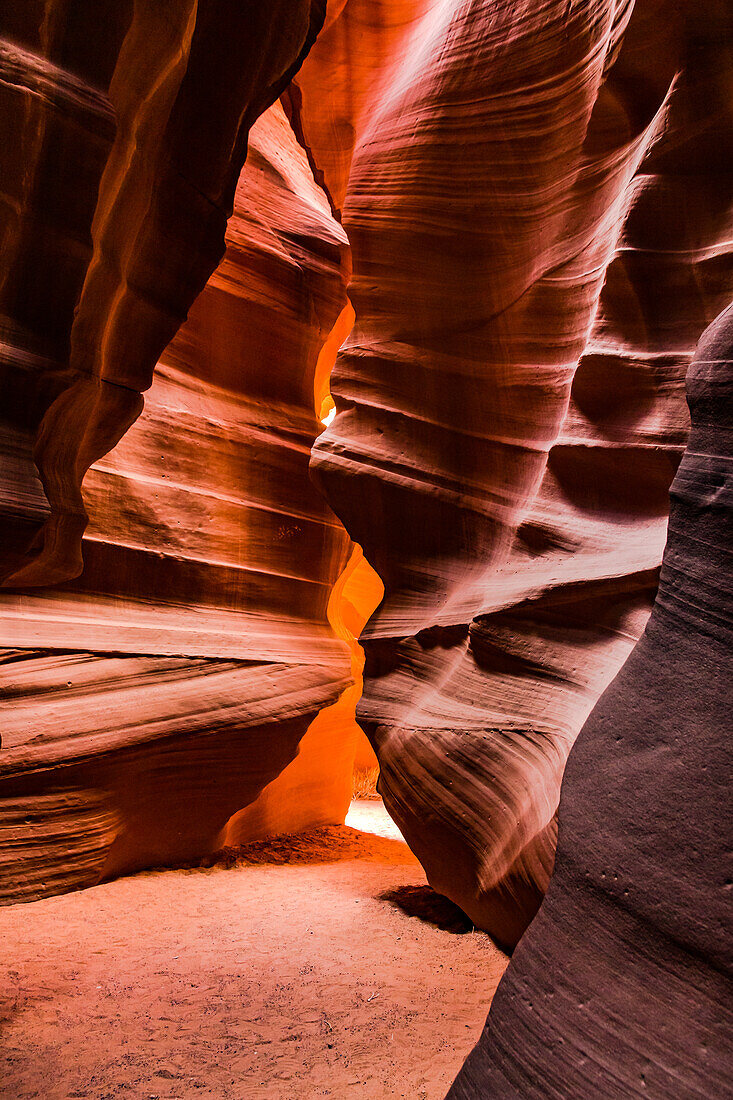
(359, 589)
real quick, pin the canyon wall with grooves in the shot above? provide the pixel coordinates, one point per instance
(538, 201)
(194, 687)
(622, 985)
(529, 207)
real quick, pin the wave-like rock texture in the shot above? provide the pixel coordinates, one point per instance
(538, 200)
(153, 707)
(622, 985)
(124, 131)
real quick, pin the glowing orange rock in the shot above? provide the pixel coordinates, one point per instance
(152, 700)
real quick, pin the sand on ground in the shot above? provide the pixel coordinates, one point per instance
(291, 970)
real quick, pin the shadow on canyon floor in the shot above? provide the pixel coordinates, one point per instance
(423, 902)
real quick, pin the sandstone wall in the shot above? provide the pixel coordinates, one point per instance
(621, 987)
(153, 707)
(538, 200)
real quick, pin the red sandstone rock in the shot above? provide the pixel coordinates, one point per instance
(210, 553)
(119, 199)
(622, 985)
(538, 203)
(535, 201)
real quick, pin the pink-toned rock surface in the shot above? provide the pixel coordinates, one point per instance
(537, 199)
(622, 985)
(538, 202)
(153, 708)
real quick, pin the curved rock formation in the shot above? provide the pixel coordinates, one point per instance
(538, 202)
(151, 700)
(622, 986)
(126, 129)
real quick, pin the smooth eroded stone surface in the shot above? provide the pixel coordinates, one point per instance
(153, 708)
(124, 130)
(622, 985)
(538, 200)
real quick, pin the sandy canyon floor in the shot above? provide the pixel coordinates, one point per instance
(307, 967)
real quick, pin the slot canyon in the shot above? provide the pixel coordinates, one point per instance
(366, 456)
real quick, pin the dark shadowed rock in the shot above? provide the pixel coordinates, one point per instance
(622, 985)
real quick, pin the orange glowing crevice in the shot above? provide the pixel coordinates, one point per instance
(355, 596)
(358, 590)
(324, 403)
(317, 785)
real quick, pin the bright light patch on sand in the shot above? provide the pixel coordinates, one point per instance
(326, 420)
(368, 815)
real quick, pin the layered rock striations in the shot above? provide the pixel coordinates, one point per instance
(125, 131)
(537, 197)
(622, 985)
(538, 202)
(153, 707)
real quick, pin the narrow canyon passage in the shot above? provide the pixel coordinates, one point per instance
(367, 411)
(295, 974)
